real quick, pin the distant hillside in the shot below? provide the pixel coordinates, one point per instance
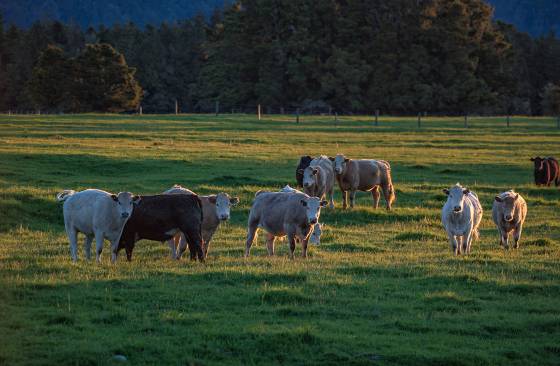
(533, 16)
(108, 12)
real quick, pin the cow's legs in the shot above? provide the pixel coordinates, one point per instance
(331, 197)
(270, 243)
(304, 248)
(73, 239)
(87, 246)
(375, 195)
(114, 250)
(517, 235)
(453, 243)
(251, 232)
(98, 245)
(344, 200)
(467, 239)
(387, 195)
(292, 241)
(504, 240)
(352, 198)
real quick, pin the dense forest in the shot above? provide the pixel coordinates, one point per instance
(352, 56)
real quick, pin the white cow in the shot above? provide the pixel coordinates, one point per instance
(318, 179)
(508, 212)
(461, 216)
(98, 214)
(315, 237)
(215, 209)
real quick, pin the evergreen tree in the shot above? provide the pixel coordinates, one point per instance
(551, 100)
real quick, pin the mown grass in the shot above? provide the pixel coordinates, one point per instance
(383, 288)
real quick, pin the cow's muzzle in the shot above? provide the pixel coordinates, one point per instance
(457, 208)
(125, 215)
(508, 217)
(224, 217)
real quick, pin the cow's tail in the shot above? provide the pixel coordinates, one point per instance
(63, 196)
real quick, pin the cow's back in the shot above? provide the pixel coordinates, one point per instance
(273, 209)
(88, 209)
(369, 174)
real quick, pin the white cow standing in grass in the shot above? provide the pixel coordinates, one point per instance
(315, 237)
(98, 214)
(508, 212)
(461, 216)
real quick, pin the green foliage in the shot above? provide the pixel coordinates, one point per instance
(383, 287)
(551, 100)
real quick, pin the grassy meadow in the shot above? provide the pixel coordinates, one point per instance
(382, 289)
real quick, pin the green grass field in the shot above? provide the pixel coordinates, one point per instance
(383, 288)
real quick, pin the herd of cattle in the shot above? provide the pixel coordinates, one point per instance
(185, 219)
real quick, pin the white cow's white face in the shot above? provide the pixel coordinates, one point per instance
(508, 205)
(456, 197)
(125, 203)
(315, 237)
(313, 209)
(340, 163)
(309, 175)
(223, 204)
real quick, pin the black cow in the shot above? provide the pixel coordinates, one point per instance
(304, 162)
(160, 217)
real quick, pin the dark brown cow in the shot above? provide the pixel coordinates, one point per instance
(160, 217)
(546, 171)
(304, 162)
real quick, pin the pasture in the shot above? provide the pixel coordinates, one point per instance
(382, 289)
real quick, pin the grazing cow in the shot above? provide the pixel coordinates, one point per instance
(98, 214)
(366, 176)
(315, 237)
(304, 162)
(161, 217)
(546, 171)
(283, 214)
(461, 216)
(215, 209)
(318, 179)
(508, 212)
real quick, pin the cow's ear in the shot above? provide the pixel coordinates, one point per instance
(234, 201)
(136, 199)
(532, 159)
(346, 160)
(498, 199)
(446, 191)
(516, 197)
(466, 191)
(115, 198)
(300, 171)
(212, 199)
(324, 203)
(331, 158)
(303, 203)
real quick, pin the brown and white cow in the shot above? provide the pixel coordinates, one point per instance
(318, 179)
(364, 175)
(508, 212)
(215, 209)
(290, 214)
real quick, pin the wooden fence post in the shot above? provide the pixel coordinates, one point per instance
(176, 106)
(466, 120)
(419, 120)
(377, 117)
(140, 110)
(259, 111)
(282, 110)
(217, 108)
(297, 115)
(558, 122)
(507, 121)
(336, 118)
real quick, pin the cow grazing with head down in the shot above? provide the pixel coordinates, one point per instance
(98, 214)
(318, 179)
(509, 211)
(304, 162)
(161, 217)
(366, 176)
(461, 216)
(546, 171)
(215, 210)
(283, 214)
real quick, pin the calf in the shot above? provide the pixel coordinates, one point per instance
(366, 176)
(283, 214)
(304, 162)
(508, 212)
(461, 216)
(215, 209)
(161, 217)
(318, 179)
(98, 214)
(315, 237)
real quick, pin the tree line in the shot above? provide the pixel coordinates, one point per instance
(350, 56)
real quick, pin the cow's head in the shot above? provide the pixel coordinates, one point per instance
(223, 203)
(508, 204)
(539, 163)
(125, 203)
(313, 208)
(309, 176)
(456, 197)
(315, 237)
(339, 163)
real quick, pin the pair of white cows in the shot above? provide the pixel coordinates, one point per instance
(101, 215)
(462, 213)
